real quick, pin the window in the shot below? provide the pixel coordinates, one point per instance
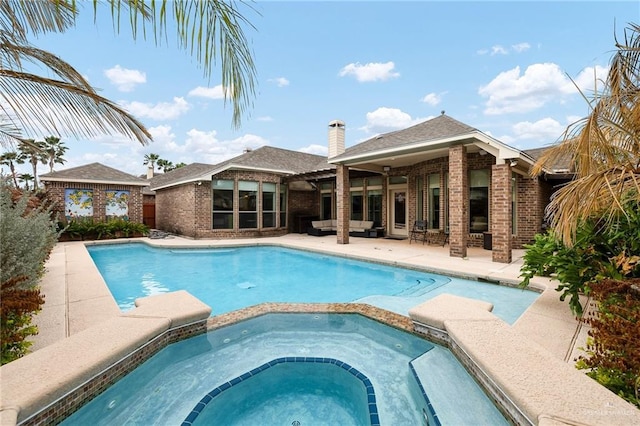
(268, 205)
(247, 206)
(419, 198)
(357, 200)
(357, 207)
(326, 202)
(222, 204)
(479, 200)
(434, 201)
(374, 206)
(514, 203)
(283, 205)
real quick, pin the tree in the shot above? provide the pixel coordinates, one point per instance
(165, 165)
(33, 152)
(209, 30)
(26, 178)
(10, 159)
(151, 160)
(603, 147)
(55, 150)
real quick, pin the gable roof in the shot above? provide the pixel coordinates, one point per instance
(267, 159)
(431, 137)
(94, 173)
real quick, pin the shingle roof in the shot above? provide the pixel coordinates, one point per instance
(440, 127)
(264, 158)
(94, 172)
(559, 165)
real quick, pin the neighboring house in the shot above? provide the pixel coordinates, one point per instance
(471, 189)
(95, 191)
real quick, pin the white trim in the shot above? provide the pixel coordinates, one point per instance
(103, 182)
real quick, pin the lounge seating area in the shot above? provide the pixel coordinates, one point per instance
(420, 232)
(357, 228)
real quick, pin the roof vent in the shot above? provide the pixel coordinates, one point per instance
(247, 149)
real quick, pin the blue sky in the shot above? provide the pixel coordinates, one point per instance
(502, 67)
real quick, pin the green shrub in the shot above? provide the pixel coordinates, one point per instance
(601, 250)
(27, 237)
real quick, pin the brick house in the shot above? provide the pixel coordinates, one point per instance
(466, 185)
(469, 188)
(95, 191)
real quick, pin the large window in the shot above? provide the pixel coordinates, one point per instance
(247, 206)
(268, 205)
(479, 200)
(374, 201)
(326, 197)
(419, 198)
(222, 204)
(357, 200)
(283, 205)
(434, 201)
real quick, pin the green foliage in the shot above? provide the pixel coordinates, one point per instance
(601, 250)
(28, 236)
(612, 348)
(88, 229)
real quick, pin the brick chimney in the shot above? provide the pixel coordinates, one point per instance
(336, 138)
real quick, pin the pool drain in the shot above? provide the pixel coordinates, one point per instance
(295, 423)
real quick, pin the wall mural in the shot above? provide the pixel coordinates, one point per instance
(117, 204)
(78, 203)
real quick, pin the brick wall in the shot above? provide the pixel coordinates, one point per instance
(57, 191)
(501, 213)
(459, 201)
(342, 203)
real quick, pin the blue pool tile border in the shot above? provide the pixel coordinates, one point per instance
(371, 396)
(424, 395)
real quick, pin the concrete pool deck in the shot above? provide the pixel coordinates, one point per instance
(77, 300)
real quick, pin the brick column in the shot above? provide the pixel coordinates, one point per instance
(458, 201)
(501, 213)
(342, 203)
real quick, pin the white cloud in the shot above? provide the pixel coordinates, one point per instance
(125, 79)
(432, 99)
(159, 111)
(590, 79)
(521, 47)
(370, 72)
(498, 50)
(216, 92)
(280, 81)
(513, 92)
(545, 131)
(315, 149)
(265, 118)
(385, 120)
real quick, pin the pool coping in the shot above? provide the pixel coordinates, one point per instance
(542, 324)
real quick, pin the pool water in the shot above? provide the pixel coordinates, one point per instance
(232, 278)
(165, 389)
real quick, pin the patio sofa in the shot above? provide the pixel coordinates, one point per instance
(357, 228)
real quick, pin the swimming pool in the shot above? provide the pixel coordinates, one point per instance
(236, 277)
(166, 388)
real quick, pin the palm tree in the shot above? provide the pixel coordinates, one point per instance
(210, 30)
(604, 148)
(10, 159)
(26, 178)
(34, 153)
(165, 165)
(151, 160)
(55, 150)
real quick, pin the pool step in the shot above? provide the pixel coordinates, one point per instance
(421, 287)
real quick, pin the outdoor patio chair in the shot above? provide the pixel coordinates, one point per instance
(419, 231)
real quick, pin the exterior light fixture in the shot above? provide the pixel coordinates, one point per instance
(386, 168)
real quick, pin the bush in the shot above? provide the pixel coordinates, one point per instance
(88, 229)
(601, 250)
(28, 236)
(613, 347)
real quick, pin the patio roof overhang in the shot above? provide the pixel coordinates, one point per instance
(417, 152)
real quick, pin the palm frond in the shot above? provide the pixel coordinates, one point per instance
(44, 106)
